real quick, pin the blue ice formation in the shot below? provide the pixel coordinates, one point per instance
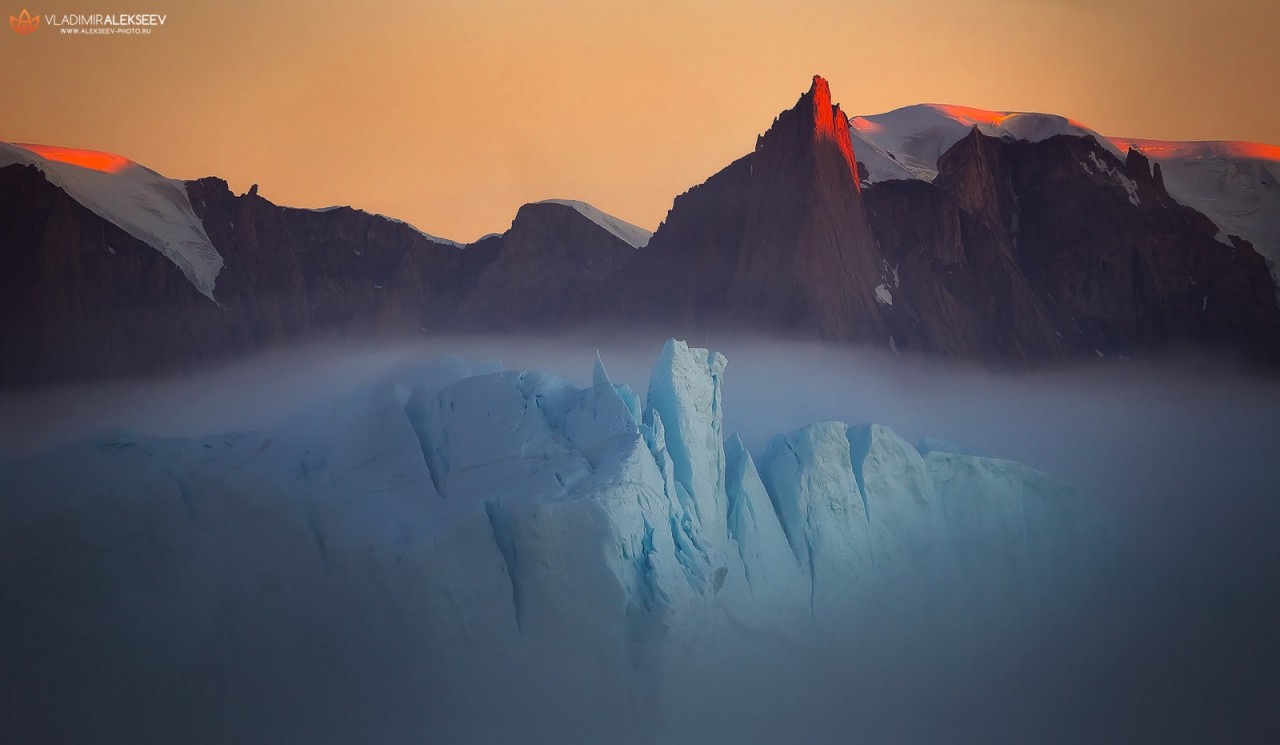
(482, 527)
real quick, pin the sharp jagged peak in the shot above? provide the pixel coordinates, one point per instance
(817, 119)
(828, 119)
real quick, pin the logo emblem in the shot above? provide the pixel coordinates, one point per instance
(24, 22)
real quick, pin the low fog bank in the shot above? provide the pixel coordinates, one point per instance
(1173, 639)
(1127, 433)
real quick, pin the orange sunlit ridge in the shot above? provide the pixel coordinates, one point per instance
(1226, 148)
(94, 160)
(965, 115)
(972, 116)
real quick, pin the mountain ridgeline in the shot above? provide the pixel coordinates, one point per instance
(1019, 253)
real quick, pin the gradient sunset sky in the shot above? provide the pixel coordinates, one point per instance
(452, 113)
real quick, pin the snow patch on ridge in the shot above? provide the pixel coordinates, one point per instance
(1107, 169)
(139, 201)
(633, 235)
(884, 290)
(423, 233)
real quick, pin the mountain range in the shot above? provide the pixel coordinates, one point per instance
(1012, 239)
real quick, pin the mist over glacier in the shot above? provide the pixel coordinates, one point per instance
(1168, 640)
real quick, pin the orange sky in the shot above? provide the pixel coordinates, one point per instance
(452, 113)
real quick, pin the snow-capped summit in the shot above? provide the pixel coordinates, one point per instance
(906, 143)
(148, 206)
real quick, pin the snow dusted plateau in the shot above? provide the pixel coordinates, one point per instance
(496, 555)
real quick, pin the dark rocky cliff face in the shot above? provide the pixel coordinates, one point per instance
(291, 272)
(955, 286)
(547, 266)
(1018, 254)
(82, 299)
(1119, 265)
(1023, 251)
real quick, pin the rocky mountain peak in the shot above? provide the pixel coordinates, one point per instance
(813, 119)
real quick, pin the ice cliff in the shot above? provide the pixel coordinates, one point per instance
(428, 552)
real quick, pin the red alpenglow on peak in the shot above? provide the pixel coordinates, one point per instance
(824, 112)
(93, 160)
(829, 122)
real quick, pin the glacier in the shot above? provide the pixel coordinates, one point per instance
(500, 556)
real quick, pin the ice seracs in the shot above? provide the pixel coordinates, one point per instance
(139, 201)
(478, 528)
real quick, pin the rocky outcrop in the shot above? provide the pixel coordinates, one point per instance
(1139, 168)
(545, 268)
